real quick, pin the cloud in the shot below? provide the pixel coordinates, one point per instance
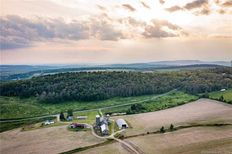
(200, 5)
(227, 4)
(129, 7)
(174, 8)
(195, 4)
(145, 5)
(204, 11)
(221, 11)
(161, 1)
(13, 42)
(104, 30)
(17, 32)
(162, 29)
(101, 8)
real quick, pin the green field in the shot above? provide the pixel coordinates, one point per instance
(13, 107)
(227, 95)
(167, 101)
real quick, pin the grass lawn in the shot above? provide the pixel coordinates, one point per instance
(226, 94)
(91, 115)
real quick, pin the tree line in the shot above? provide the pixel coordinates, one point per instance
(92, 86)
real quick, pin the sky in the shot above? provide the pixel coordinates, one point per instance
(114, 31)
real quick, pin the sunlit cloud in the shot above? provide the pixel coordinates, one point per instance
(145, 5)
(128, 7)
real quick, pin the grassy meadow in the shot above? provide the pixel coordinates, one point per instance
(227, 95)
(14, 107)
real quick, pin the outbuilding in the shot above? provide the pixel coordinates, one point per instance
(122, 124)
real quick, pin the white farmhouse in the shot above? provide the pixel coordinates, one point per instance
(104, 129)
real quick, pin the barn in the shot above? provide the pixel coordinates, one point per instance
(122, 124)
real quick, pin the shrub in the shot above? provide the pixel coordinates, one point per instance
(162, 130)
(171, 127)
(221, 98)
(62, 118)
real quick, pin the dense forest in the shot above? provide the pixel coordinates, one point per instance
(88, 86)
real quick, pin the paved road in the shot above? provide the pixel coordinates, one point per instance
(97, 109)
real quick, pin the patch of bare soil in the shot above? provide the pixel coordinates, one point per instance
(199, 140)
(190, 140)
(200, 111)
(48, 140)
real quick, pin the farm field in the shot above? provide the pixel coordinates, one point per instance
(204, 111)
(200, 111)
(190, 140)
(48, 140)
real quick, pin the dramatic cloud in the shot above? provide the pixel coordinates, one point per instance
(129, 7)
(18, 32)
(145, 5)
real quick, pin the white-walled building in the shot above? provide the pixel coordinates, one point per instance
(104, 129)
(122, 124)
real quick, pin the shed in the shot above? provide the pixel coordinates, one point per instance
(82, 117)
(122, 124)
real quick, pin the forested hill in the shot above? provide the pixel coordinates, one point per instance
(87, 86)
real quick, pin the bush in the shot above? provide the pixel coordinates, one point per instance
(162, 130)
(221, 98)
(70, 113)
(62, 118)
(171, 127)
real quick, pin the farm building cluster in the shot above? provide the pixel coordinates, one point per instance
(103, 122)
